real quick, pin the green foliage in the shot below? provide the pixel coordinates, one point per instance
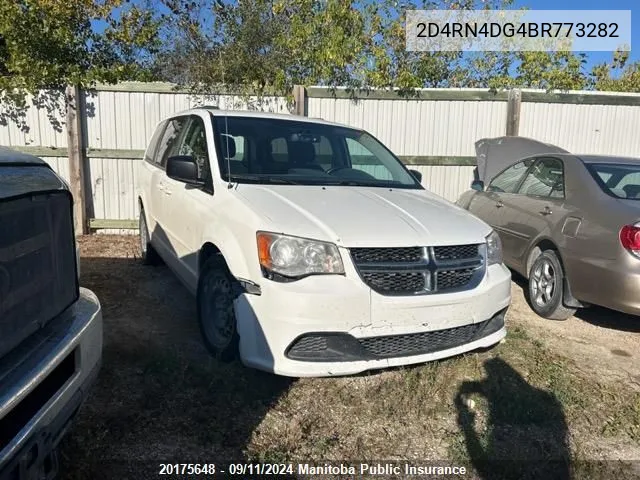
(48, 44)
(259, 46)
(628, 74)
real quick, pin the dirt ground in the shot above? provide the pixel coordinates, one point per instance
(555, 400)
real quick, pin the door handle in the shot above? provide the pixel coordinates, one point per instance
(499, 204)
(546, 211)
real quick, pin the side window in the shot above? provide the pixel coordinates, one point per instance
(194, 144)
(153, 143)
(169, 141)
(508, 180)
(364, 160)
(545, 179)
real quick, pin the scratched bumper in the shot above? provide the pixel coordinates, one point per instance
(270, 324)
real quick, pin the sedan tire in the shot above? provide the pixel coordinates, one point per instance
(546, 285)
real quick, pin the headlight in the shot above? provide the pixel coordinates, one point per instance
(295, 257)
(494, 249)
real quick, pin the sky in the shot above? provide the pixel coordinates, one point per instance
(594, 57)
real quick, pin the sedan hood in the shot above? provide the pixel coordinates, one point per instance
(363, 216)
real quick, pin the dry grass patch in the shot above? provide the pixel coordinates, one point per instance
(161, 398)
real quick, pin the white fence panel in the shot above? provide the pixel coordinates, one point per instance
(418, 127)
(126, 120)
(447, 181)
(435, 128)
(589, 129)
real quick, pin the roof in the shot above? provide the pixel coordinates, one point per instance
(8, 155)
(268, 115)
(609, 159)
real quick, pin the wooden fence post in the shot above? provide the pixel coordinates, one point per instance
(76, 158)
(514, 102)
(300, 100)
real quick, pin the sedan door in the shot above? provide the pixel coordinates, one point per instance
(535, 209)
(494, 205)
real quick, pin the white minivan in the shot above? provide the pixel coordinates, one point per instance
(311, 249)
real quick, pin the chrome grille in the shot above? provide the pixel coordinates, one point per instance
(420, 270)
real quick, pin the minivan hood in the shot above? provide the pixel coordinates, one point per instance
(363, 216)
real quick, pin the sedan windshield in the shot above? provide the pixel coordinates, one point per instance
(274, 151)
(617, 180)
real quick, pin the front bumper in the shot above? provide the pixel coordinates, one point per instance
(344, 308)
(42, 385)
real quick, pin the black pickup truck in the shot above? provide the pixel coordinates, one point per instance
(50, 328)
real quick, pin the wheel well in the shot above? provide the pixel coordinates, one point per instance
(207, 251)
(569, 300)
(535, 252)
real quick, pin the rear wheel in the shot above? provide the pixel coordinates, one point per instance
(148, 253)
(546, 285)
(216, 313)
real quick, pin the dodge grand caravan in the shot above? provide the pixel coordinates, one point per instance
(50, 328)
(311, 249)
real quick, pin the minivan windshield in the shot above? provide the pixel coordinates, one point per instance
(618, 180)
(275, 151)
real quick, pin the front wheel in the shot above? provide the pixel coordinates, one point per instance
(216, 313)
(546, 280)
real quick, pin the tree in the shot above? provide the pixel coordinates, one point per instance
(262, 45)
(628, 74)
(48, 44)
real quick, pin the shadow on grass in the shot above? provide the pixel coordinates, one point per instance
(160, 397)
(526, 430)
(595, 315)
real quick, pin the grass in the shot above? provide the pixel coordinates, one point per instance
(518, 410)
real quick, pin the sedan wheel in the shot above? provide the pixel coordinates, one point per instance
(546, 278)
(543, 282)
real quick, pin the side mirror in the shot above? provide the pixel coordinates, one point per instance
(417, 175)
(477, 185)
(184, 168)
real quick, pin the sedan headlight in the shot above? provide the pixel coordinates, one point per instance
(494, 249)
(295, 257)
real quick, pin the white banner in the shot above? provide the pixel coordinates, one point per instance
(518, 30)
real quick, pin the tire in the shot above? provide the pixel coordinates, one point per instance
(546, 287)
(216, 314)
(147, 252)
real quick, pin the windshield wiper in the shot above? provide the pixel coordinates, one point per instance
(261, 179)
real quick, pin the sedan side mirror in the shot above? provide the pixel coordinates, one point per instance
(184, 168)
(417, 175)
(477, 185)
